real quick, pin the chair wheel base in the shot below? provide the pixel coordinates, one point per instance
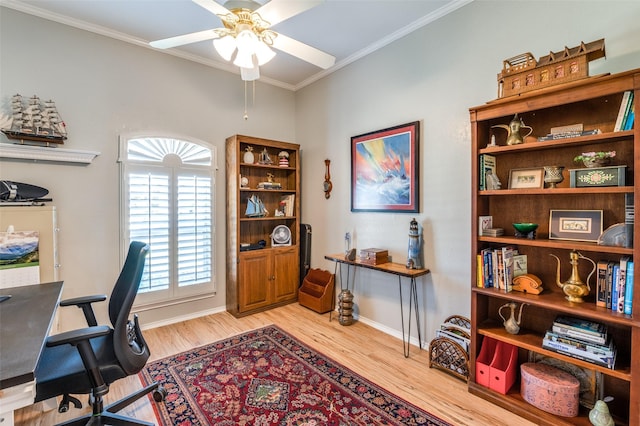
(64, 404)
(159, 394)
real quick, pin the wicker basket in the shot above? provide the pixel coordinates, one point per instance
(448, 355)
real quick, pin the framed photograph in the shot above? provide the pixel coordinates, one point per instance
(575, 225)
(384, 170)
(526, 178)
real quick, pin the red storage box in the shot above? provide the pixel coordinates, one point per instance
(503, 367)
(483, 361)
(550, 389)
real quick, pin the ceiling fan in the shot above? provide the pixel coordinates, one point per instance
(246, 36)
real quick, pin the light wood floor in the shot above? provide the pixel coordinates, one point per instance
(365, 350)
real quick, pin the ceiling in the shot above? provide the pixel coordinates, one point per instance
(346, 29)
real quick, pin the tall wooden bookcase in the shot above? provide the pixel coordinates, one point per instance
(594, 102)
(267, 277)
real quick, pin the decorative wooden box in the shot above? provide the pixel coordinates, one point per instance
(598, 176)
(550, 389)
(374, 256)
(523, 73)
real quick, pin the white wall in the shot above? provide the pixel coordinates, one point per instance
(434, 75)
(104, 87)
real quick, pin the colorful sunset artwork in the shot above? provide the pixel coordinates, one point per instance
(384, 170)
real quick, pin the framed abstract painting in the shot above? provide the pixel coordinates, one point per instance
(384, 170)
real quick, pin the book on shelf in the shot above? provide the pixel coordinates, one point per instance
(625, 104)
(601, 283)
(487, 163)
(621, 284)
(615, 280)
(629, 219)
(507, 262)
(577, 328)
(519, 265)
(628, 125)
(628, 291)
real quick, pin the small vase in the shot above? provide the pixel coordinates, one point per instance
(553, 175)
(596, 162)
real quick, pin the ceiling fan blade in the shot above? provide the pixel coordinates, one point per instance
(184, 39)
(212, 6)
(279, 10)
(304, 51)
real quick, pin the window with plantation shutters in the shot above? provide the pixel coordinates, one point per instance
(168, 191)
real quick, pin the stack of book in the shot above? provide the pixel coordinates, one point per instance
(570, 131)
(581, 339)
(493, 232)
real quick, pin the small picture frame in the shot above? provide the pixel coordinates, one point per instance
(526, 178)
(575, 225)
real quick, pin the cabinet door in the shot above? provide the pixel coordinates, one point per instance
(287, 274)
(255, 280)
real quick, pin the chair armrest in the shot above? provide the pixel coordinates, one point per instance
(74, 336)
(84, 303)
(84, 299)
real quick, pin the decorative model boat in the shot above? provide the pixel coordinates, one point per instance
(255, 207)
(37, 121)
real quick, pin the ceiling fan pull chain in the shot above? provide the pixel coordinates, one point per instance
(246, 116)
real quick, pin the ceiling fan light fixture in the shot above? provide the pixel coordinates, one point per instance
(225, 46)
(244, 59)
(250, 74)
(264, 53)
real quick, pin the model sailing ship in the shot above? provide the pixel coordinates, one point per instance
(34, 121)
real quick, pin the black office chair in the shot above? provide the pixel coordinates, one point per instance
(88, 360)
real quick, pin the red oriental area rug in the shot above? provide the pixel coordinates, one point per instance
(267, 377)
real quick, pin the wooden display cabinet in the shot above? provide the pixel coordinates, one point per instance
(263, 278)
(595, 103)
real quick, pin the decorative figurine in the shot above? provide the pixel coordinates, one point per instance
(600, 415)
(514, 137)
(264, 157)
(574, 288)
(512, 325)
(283, 159)
(244, 182)
(248, 155)
(492, 180)
(414, 253)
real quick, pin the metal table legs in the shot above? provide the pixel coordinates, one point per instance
(413, 299)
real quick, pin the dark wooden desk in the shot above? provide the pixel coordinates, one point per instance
(25, 321)
(400, 271)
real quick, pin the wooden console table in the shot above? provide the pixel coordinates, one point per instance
(400, 271)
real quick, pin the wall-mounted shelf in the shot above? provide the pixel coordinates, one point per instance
(43, 153)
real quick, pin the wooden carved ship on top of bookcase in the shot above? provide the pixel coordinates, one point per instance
(522, 73)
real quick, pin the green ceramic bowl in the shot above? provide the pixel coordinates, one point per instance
(525, 227)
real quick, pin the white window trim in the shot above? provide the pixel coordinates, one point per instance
(165, 298)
